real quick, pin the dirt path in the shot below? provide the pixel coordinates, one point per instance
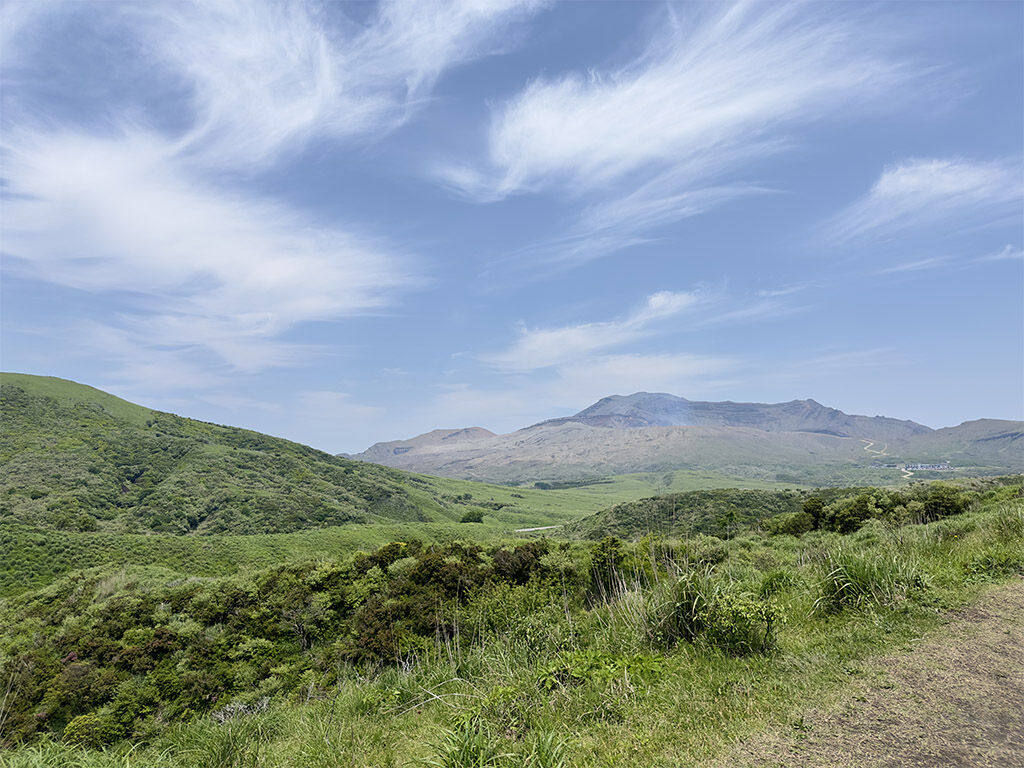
(531, 530)
(955, 699)
(870, 449)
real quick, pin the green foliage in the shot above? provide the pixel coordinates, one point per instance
(473, 516)
(597, 668)
(719, 512)
(790, 523)
(699, 607)
(357, 660)
(78, 460)
(858, 580)
(94, 729)
(847, 512)
(469, 745)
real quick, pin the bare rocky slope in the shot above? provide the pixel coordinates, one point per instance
(798, 441)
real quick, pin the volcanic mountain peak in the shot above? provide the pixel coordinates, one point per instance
(658, 409)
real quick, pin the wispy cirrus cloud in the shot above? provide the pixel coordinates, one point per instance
(915, 266)
(267, 77)
(664, 136)
(950, 194)
(118, 198)
(540, 348)
(1006, 253)
(214, 270)
(545, 347)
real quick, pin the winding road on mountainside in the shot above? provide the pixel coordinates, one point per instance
(953, 699)
(906, 472)
(869, 449)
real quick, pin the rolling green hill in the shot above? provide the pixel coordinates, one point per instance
(76, 459)
(721, 512)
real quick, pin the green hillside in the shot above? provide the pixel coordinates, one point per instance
(76, 459)
(721, 512)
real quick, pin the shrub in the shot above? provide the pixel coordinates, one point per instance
(698, 608)
(741, 624)
(790, 523)
(473, 516)
(944, 500)
(93, 729)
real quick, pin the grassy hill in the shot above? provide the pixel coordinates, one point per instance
(89, 479)
(722, 512)
(77, 459)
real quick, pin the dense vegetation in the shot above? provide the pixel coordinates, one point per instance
(722, 512)
(75, 464)
(554, 653)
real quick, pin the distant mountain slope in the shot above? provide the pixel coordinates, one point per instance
(799, 442)
(446, 438)
(644, 409)
(979, 441)
(76, 458)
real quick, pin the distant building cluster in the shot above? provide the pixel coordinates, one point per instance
(943, 467)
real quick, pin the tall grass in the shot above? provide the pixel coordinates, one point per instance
(855, 579)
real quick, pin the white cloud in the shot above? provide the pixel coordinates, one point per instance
(219, 274)
(213, 270)
(542, 348)
(944, 193)
(1008, 253)
(915, 266)
(268, 76)
(713, 93)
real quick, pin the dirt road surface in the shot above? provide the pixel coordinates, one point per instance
(955, 699)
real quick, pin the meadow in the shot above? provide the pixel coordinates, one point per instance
(545, 652)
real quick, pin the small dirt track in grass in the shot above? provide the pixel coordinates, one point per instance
(954, 699)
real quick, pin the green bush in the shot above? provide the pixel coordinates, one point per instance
(94, 730)
(699, 608)
(790, 523)
(473, 516)
(741, 624)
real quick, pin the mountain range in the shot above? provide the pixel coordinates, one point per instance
(797, 441)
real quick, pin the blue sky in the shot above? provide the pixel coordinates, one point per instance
(345, 223)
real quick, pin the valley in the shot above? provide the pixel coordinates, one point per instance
(179, 594)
